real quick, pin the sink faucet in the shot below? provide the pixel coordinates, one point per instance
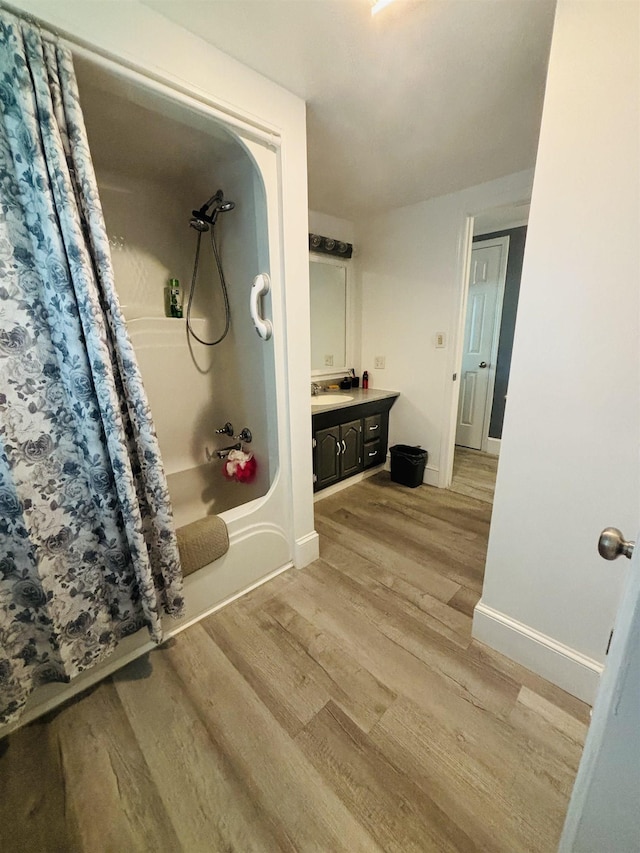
(315, 389)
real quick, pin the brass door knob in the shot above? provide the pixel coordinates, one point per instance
(612, 544)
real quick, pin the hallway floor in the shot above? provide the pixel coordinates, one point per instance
(343, 707)
(474, 473)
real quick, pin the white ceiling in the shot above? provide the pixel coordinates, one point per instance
(423, 99)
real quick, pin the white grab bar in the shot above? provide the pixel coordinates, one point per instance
(261, 285)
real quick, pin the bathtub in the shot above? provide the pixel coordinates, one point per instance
(193, 391)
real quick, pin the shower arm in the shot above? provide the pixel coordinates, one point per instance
(202, 213)
(217, 196)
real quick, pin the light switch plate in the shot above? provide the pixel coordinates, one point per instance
(440, 340)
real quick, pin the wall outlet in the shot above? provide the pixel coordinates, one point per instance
(328, 361)
(440, 340)
(378, 362)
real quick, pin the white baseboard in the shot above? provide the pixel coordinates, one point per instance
(572, 671)
(306, 550)
(493, 446)
(431, 476)
(350, 481)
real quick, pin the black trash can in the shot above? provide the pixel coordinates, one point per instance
(408, 464)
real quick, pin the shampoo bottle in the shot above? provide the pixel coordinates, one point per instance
(365, 379)
(173, 304)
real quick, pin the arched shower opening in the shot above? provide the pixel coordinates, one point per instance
(158, 157)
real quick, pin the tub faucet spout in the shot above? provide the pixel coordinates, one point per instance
(225, 451)
(222, 453)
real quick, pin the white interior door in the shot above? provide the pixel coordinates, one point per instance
(604, 812)
(480, 348)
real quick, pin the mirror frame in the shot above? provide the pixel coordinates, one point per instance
(338, 370)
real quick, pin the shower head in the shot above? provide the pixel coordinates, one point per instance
(201, 219)
(199, 224)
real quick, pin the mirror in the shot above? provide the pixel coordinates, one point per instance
(329, 294)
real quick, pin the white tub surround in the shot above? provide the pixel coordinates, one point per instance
(159, 66)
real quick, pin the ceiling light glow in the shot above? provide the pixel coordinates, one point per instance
(378, 5)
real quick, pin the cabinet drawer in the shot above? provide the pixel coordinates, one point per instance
(372, 427)
(372, 453)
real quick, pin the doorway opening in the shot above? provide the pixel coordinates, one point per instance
(485, 296)
(489, 299)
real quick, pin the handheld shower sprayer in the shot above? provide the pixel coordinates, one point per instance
(201, 220)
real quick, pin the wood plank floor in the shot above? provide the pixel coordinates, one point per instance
(344, 707)
(474, 473)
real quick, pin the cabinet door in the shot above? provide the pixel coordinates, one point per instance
(328, 454)
(351, 439)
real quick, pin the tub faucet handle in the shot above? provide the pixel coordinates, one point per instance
(227, 429)
(246, 436)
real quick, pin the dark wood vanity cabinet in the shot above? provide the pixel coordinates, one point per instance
(338, 452)
(349, 440)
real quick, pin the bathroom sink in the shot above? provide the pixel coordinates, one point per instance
(328, 399)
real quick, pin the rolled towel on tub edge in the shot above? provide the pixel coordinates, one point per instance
(202, 542)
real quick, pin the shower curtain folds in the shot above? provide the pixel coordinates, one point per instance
(88, 552)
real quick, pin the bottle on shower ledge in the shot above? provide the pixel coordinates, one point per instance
(173, 299)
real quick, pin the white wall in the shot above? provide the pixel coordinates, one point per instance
(569, 457)
(141, 39)
(411, 265)
(331, 226)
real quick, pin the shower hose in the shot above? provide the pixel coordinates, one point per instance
(223, 286)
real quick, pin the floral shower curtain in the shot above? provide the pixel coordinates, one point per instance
(88, 552)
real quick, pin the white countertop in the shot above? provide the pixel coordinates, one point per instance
(357, 395)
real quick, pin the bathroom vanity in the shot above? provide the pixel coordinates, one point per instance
(350, 433)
